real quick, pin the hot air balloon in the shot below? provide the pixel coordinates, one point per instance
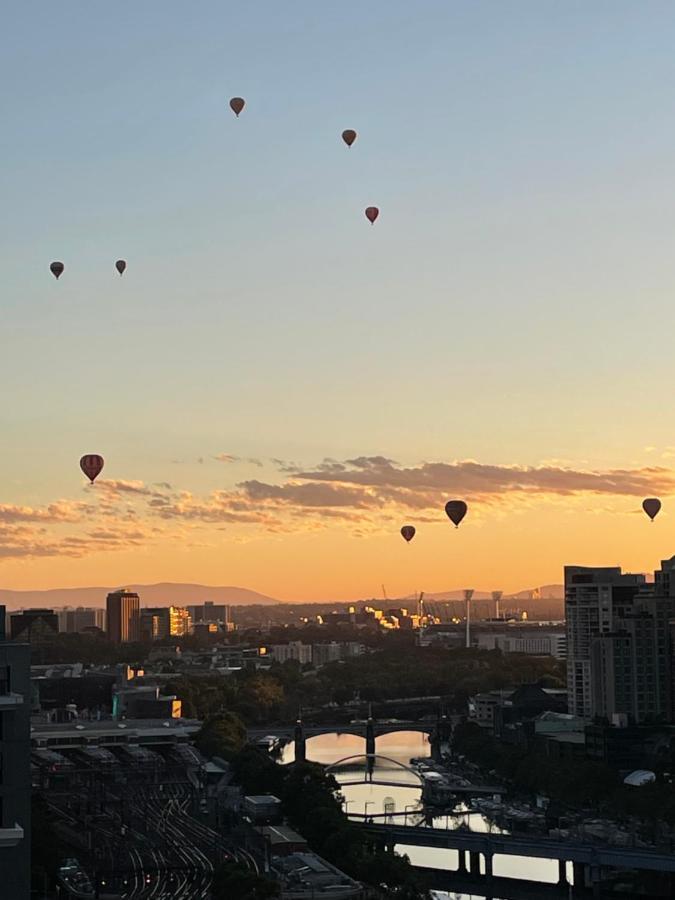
(91, 464)
(56, 268)
(651, 506)
(456, 510)
(408, 532)
(372, 212)
(349, 136)
(121, 265)
(236, 105)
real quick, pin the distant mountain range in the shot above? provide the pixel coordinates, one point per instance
(163, 594)
(178, 594)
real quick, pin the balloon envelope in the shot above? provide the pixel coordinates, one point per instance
(349, 136)
(91, 464)
(455, 510)
(651, 506)
(120, 265)
(236, 105)
(372, 212)
(56, 268)
(408, 532)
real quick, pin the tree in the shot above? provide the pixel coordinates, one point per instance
(222, 735)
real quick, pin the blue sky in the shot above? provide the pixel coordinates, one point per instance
(511, 305)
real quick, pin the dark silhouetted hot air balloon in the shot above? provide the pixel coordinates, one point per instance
(408, 532)
(372, 212)
(121, 265)
(349, 136)
(56, 268)
(91, 464)
(236, 105)
(651, 506)
(456, 510)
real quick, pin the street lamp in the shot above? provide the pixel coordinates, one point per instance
(365, 807)
(405, 810)
(345, 806)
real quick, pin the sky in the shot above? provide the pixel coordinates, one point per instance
(276, 385)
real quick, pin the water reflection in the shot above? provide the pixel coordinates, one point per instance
(404, 791)
(393, 750)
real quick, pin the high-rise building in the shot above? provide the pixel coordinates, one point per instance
(123, 616)
(159, 622)
(15, 787)
(76, 620)
(210, 612)
(595, 598)
(34, 625)
(179, 621)
(154, 623)
(619, 644)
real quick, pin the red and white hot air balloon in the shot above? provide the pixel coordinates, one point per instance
(349, 136)
(121, 265)
(236, 105)
(56, 268)
(372, 212)
(651, 506)
(92, 465)
(408, 532)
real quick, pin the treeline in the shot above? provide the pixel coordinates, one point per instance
(276, 695)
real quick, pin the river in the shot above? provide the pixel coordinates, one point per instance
(402, 794)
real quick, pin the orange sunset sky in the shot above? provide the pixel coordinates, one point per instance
(276, 385)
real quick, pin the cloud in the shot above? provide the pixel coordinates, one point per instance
(226, 458)
(365, 494)
(58, 511)
(117, 487)
(483, 482)
(307, 495)
(229, 458)
(71, 529)
(218, 507)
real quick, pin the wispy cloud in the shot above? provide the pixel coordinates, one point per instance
(482, 481)
(58, 511)
(230, 458)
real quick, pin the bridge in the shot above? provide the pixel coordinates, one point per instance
(591, 858)
(369, 729)
(358, 729)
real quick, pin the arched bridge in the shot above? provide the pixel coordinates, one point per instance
(358, 729)
(369, 729)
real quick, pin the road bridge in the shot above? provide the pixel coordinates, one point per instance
(660, 860)
(588, 859)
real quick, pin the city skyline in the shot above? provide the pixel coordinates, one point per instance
(276, 386)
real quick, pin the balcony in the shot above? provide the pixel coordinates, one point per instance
(10, 700)
(10, 837)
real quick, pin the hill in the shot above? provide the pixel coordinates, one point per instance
(163, 594)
